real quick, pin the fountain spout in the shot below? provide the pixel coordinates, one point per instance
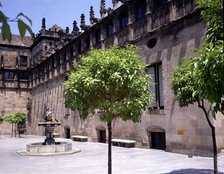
(49, 124)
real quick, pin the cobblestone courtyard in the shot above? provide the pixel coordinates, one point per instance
(93, 160)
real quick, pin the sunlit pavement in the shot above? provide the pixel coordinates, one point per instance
(93, 160)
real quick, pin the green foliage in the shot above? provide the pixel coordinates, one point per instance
(202, 77)
(22, 26)
(1, 119)
(19, 117)
(10, 118)
(113, 80)
(210, 72)
(184, 83)
(212, 12)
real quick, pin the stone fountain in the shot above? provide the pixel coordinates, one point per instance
(49, 146)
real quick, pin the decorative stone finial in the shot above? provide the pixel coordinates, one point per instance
(83, 26)
(43, 27)
(102, 8)
(114, 2)
(67, 30)
(91, 16)
(75, 30)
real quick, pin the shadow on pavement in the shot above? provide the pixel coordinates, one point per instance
(193, 171)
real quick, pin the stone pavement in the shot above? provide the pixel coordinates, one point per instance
(93, 160)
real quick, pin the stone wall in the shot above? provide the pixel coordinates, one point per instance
(11, 102)
(186, 129)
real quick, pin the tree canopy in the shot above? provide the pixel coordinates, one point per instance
(113, 80)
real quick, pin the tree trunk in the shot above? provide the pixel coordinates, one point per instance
(15, 129)
(109, 148)
(12, 130)
(213, 136)
(214, 150)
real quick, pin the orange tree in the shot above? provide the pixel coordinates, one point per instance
(113, 80)
(201, 78)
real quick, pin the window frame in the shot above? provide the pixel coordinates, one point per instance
(158, 101)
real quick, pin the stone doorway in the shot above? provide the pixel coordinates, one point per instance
(67, 132)
(157, 138)
(101, 134)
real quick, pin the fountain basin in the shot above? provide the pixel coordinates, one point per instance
(39, 149)
(53, 148)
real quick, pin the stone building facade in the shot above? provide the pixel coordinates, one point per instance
(32, 73)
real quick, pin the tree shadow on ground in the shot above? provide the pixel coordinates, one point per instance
(193, 171)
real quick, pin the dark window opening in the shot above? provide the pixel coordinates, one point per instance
(8, 75)
(155, 71)
(158, 4)
(23, 75)
(87, 42)
(58, 60)
(79, 47)
(23, 60)
(140, 10)
(97, 36)
(64, 56)
(123, 20)
(71, 52)
(109, 28)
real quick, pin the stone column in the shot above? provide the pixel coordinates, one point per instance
(173, 10)
(131, 15)
(116, 28)
(149, 5)
(102, 36)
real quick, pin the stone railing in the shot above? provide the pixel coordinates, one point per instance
(140, 27)
(162, 16)
(122, 36)
(109, 41)
(183, 7)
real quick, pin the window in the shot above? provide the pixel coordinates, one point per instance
(23, 75)
(157, 78)
(140, 10)
(79, 47)
(109, 28)
(23, 60)
(123, 19)
(8, 75)
(97, 36)
(87, 42)
(158, 4)
(71, 52)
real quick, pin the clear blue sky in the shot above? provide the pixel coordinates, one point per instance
(60, 12)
